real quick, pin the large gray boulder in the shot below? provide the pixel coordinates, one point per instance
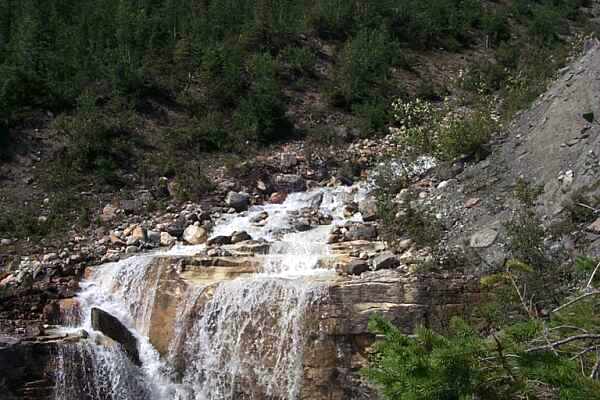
(238, 201)
(113, 328)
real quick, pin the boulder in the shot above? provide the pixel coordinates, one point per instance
(368, 209)
(594, 227)
(131, 206)
(386, 260)
(113, 328)
(219, 240)
(361, 232)
(289, 183)
(315, 200)
(237, 201)
(109, 213)
(195, 234)
(177, 227)
(166, 239)
(278, 198)
(483, 238)
(356, 267)
(261, 216)
(139, 234)
(154, 237)
(237, 237)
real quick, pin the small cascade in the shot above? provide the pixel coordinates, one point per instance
(235, 339)
(249, 341)
(90, 371)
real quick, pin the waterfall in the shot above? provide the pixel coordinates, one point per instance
(236, 339)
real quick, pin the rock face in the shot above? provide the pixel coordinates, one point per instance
(25, 369)
(552, 146)
(406, 300)
(114, 329)
(340, 316)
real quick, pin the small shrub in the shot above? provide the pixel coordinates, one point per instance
(363, 63)
(191, 182)
(417, 121)
(484, 78)
(545, 22)
(222, 71)
(323, 136)
(98, 141)
(373, 117)
(495, 25)
(465, 136)
(261, 115)
(300, 61)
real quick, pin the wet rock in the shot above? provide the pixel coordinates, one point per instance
(219, 241)
(261, 216)
(483, 238)
(289, 183)
(315, 200)
(114, 329)
(356, 267)
(166, 239)
(278, 198)
(238, 201)
(131, 249)
(368, 209)
(237, 237)
(177, 227)
(153, 237)
(386, 260)
(195, 234)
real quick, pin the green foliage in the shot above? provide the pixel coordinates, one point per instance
(191, 182)
(462, 364)
(97, 140)
(373, 117)
(261, 115)
(300, 61)
(467, 135)
(223, 73)
(443, 22)
(429, 366)
(363, 62)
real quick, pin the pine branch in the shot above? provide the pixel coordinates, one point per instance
(583, 296)
(559, 343)
(589, 284)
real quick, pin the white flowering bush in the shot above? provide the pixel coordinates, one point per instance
(442, 131)
(415, 124)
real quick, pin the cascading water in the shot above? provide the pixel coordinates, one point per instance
(237, 339)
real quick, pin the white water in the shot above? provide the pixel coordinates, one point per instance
(243, 338)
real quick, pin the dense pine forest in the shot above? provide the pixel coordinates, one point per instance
(225, 63)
